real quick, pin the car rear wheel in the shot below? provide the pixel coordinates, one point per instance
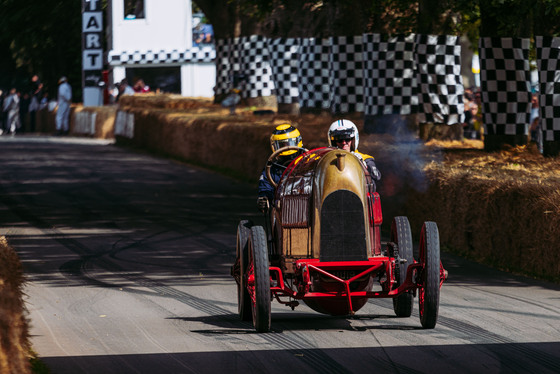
(402, 236)
(242, 253)
(428, 294)
(260, 279)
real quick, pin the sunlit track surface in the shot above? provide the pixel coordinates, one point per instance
(127, 258)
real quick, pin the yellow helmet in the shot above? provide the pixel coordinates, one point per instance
(283, 136)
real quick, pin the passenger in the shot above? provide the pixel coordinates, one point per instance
(282, 136)
(344, 134)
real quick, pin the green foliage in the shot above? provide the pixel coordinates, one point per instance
(507, 18)
(552, 7)
(44, 39)
(467, 13)
(394, 16)
(257, 8)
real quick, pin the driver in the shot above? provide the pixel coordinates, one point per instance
(344, 134)
(283, 136)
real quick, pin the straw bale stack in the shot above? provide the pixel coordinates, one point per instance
(14, 343)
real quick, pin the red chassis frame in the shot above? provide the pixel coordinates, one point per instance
(374, 266)
(337, 287)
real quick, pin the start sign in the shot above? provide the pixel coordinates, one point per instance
(92, 48)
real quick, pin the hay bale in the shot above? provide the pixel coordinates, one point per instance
(500, 208)
(14, 343)
(165, 101)
(104, 120)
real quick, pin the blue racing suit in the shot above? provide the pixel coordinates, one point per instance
(276, 170)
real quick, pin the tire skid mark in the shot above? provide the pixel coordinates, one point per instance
(314, 357)
(482, 338)
(525, 301)
(479, 336)
(162, 221)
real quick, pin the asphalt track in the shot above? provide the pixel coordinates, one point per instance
(127, 258)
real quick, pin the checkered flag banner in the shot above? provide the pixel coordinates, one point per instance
(389, 75)
(283, 55)
(505, 85)
(548, 63)
(224, 48)
(315, 78)
(440, 85)
(247, 56)
(346, 67)
(256, 67)
(173, 56)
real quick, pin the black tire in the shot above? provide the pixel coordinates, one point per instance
(428, 295)
(258, 257)
(402, 236)
(242, 253)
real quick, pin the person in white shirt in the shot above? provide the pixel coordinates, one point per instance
(11, 107)
(63, 112)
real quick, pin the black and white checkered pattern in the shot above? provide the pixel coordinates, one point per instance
(346, 67)
(224, 70)
(148, 57)
(440, 85)
(248, 56)
(284, 55)
(548, 63)
(253, 53)
(315, 78)
(389, 75)
(505, 85)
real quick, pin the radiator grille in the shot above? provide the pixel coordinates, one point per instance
(343, 235)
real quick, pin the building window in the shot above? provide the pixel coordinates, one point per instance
(133, 9)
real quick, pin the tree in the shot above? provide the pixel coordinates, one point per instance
(44, 38)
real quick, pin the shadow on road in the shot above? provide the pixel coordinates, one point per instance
(348, 360)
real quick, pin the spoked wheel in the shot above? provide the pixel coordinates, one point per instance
(402, 236)
(428, 294)
(259, 279)
(242, 253)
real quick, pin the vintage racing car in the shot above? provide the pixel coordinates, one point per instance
(322, 245)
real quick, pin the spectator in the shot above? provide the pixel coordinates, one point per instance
(470, 126)
(204, 34)
(34, 104)
(24, 102)
(535, 123)
(44, 101)
(2, 113)
(63, 112)
(141, 87)
(478, 124)
(33, 108)
(11, 107)
(113, 93)
(124, 89)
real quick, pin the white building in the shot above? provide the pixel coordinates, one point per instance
(153, 40)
